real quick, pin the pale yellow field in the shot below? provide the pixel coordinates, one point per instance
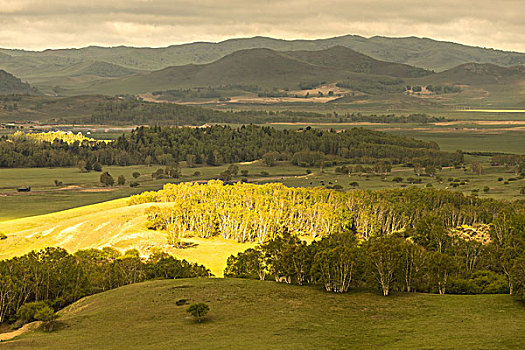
(112, 224)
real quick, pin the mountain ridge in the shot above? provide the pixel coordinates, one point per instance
(421, 52)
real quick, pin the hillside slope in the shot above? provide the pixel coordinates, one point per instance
(112, 224)
(9, 84)
(247, 314)
(420, 52)
(267, 68)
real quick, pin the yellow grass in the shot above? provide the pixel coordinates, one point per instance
(112, 224)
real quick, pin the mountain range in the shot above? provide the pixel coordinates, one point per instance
(373, 66)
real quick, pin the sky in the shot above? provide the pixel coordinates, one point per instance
(44, 24)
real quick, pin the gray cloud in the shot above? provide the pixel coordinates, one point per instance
(41, 24)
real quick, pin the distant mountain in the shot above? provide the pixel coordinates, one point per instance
(9, 84)
(481, 74)
(268, 69)
(420, 52)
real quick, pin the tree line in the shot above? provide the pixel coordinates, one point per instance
(427, 259)
(217, 145)
(250, 212)
(57, 278)
(134, 111)
(403, 239)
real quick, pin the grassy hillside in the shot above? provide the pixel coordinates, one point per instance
(262, 315)
(266, 68)
(112, 224)
(9, 84)
(420, 52)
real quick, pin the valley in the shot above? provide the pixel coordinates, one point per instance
(346, 192)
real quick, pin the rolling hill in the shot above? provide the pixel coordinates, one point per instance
(112, 224)
(266, 68)
(420, 52)
(264, 314)
(9, 84)
(480, 74)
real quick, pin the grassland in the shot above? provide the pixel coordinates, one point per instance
(111, 223)
(268, 315)
(79, 189)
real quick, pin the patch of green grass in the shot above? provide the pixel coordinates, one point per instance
(79, 189)
(246, 314)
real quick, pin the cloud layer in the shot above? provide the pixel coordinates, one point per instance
(41, 24)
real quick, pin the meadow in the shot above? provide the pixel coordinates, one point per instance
(263, 314)
(80, 189)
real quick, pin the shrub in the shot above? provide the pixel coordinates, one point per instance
(2, 236)
(135, 174)
(97, 167)
(264, 173)
(198, 310)
(48, 316)
(106, 179)
(133, 184)
(27, 312)
(121, 180)
(197, 173)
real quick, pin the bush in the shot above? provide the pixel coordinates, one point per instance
(264, 173)
(58, 183)
(2, 236)
(135, 174)
(97, 167)
(197, 173)
(133, 184)
(27, 313)
(48, 316)
(198, 310)
(121, 180)
(106, 179)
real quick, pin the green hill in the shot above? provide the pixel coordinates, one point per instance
(420, 52)
(266, 68)
(248, 314)
(9, 84)
(481, 74)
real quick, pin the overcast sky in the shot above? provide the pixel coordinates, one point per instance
(41, 24)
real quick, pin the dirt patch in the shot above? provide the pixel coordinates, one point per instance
(482, 122)
(26, 328)
(102, 189)
(327, 124)
(70, 187)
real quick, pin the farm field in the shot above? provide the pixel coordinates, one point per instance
(264, 314)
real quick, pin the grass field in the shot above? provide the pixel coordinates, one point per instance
(114, 224)
(81, 189)
(247, 314)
